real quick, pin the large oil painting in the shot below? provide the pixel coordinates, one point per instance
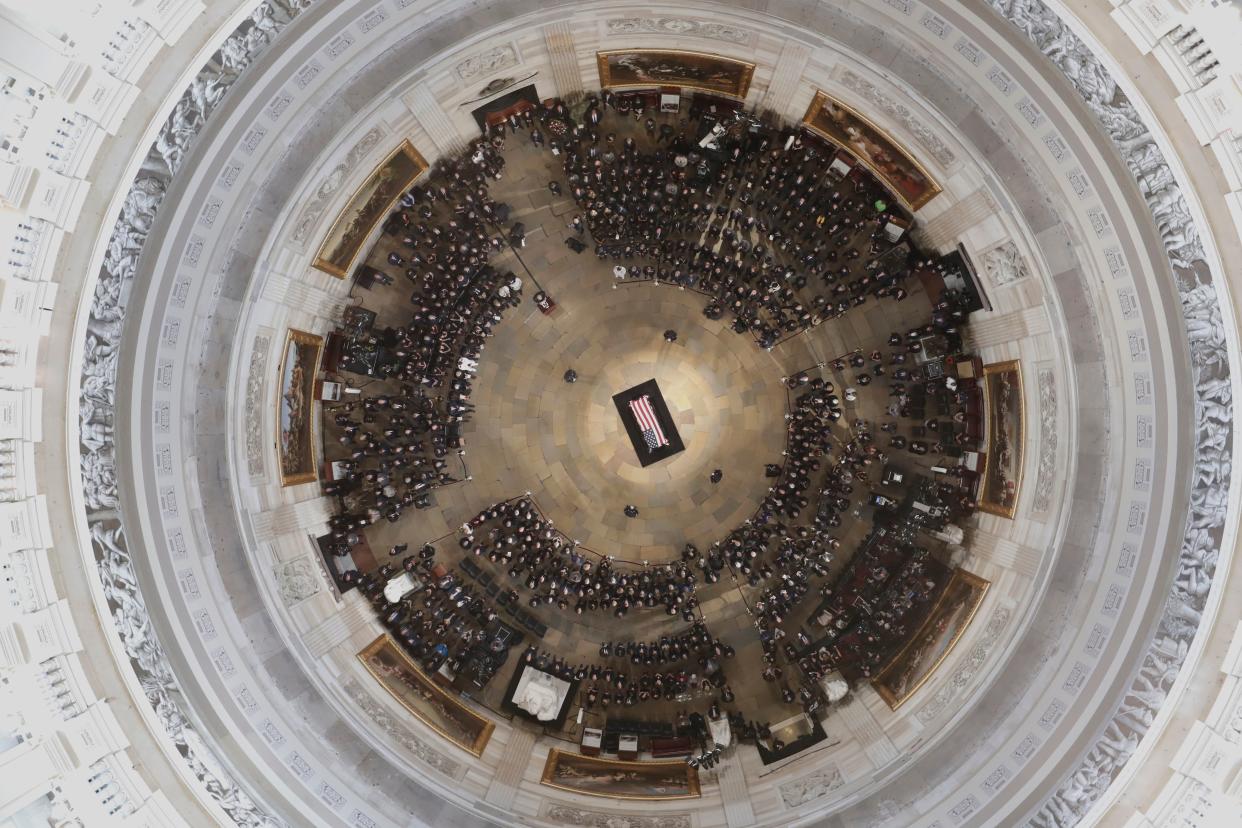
(367, 207)
(1004, 418)
(295, 422)
(873, 148)
(620, 780)
(950, 616)
(436, 707)
(667, 67)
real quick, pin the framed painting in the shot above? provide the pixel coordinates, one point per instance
(634, 68)
(931, 644)
(294, 412)
(1005, 421)
(366, 208)
(874, 149)
(436, 707)
(617, 779)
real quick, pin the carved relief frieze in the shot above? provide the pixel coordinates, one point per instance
(810, 787)
(679, 26)
(489, 61)
(1005, 265)
(1045, 475)
(401, 734)
(319, 201)
(254, 405)
(298, 579)
(1209, 363)
(582, 818)
(965, 672)
(98, 395)
(901, 114)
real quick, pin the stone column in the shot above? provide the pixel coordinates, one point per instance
(786, 77)
(434, 120)
(943, 231)
(564, 57)
(860, 721)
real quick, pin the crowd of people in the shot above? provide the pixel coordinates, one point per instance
(609, 684)
(756, 220)
(394, 446)
(759, 223)
(440, 621)
(515, 537)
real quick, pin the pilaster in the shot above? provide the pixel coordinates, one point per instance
(562, 53)
(288, 518)
(786, 77)
(513, 763)
(298, 294)
(1002, 328)
(434, 120)
(943, 230)
(735, 794)
(1003, 552)
(861, 723)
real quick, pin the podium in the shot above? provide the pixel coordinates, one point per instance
(329, 391)
(592, 738)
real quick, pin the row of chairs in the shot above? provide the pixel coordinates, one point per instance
(492, 589)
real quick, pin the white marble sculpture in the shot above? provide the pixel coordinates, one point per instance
(835, 689)
(539, 696)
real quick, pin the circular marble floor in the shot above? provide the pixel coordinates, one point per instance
(566, 444)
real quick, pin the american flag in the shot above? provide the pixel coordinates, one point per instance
(653, 435)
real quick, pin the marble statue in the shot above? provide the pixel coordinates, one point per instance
(539, 697)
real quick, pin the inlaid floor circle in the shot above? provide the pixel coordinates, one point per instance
(567, 445)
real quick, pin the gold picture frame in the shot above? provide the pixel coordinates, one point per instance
(936, 637)
(654, 68)
(295, 411)
(618, 779)
(427, 701)
(368, 205)
(1001, 482)
(874, 148)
